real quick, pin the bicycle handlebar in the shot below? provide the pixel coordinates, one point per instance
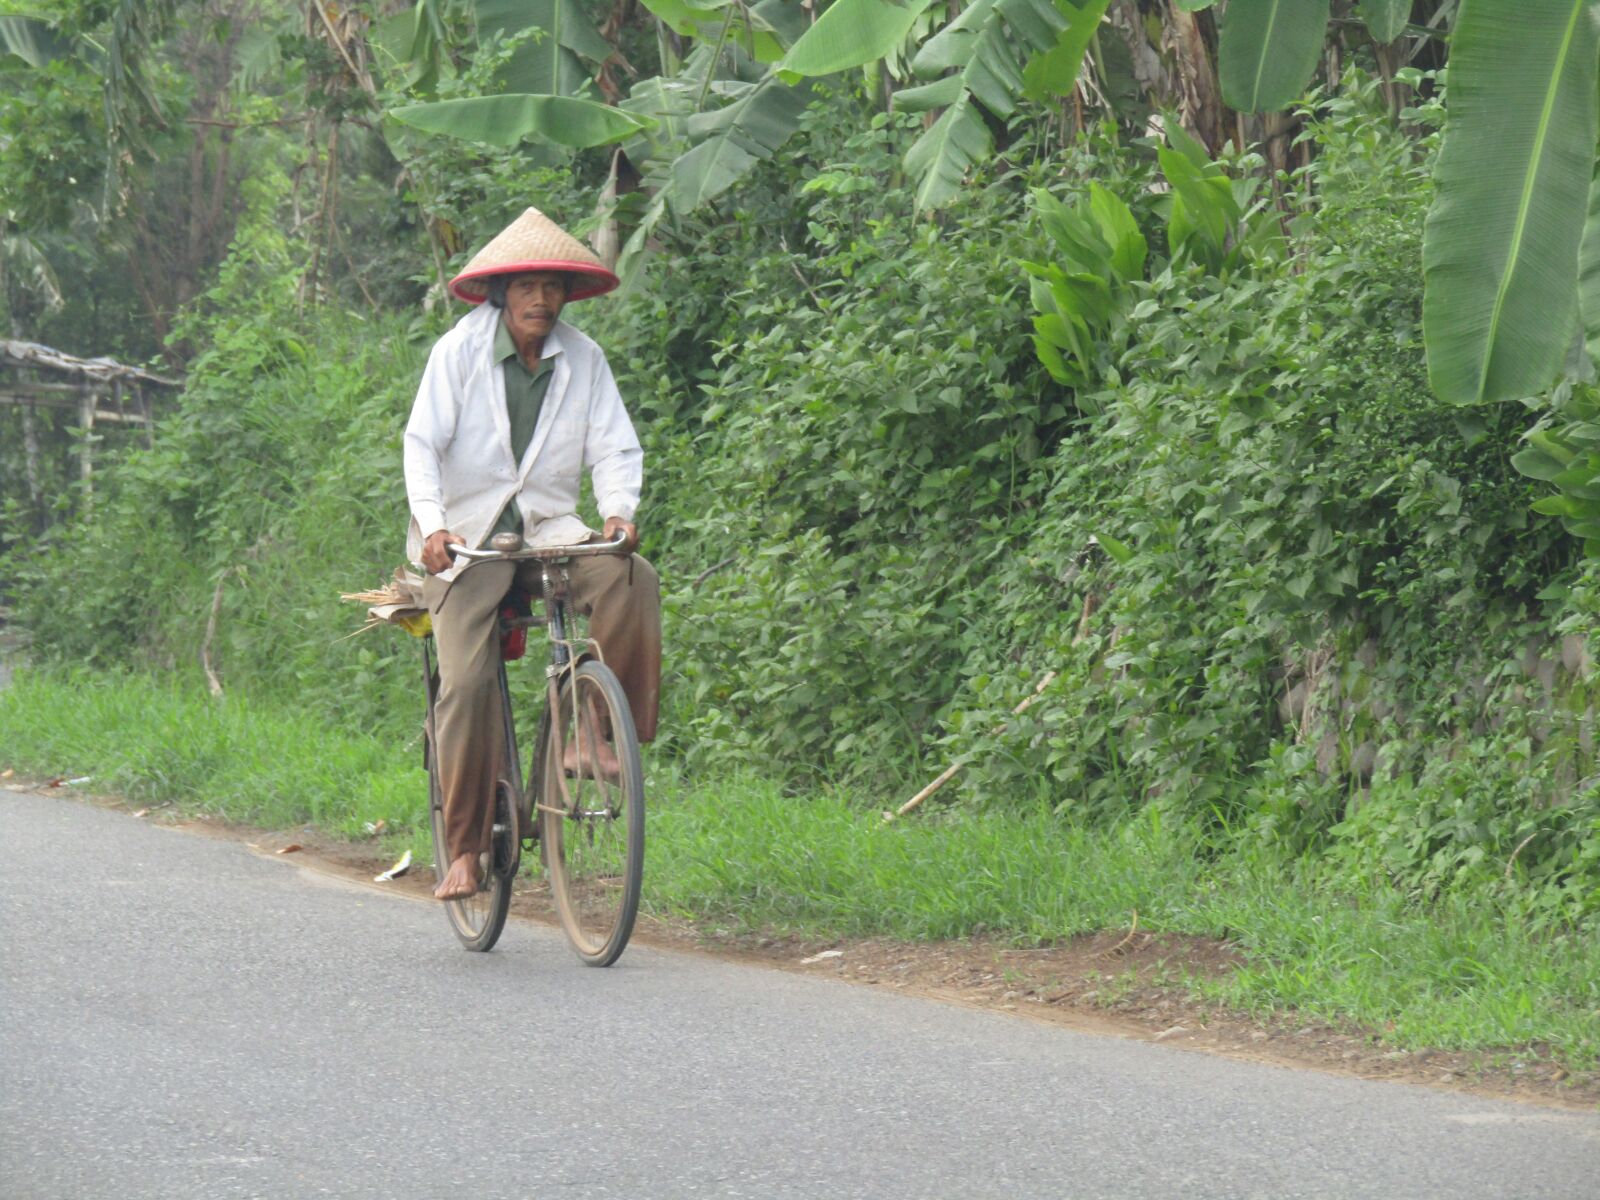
(521, 552)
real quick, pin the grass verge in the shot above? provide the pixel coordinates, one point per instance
(1458, 973)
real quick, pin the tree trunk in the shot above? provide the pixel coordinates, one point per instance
(1200, 107)
(1179, 71)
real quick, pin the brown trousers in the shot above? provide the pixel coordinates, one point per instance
(622, 599)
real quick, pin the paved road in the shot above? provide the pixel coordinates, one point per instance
(179, 1017)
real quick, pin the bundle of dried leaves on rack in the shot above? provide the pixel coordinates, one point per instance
(398, 602)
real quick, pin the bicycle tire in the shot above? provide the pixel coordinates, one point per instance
(477, 919)
(592, 829)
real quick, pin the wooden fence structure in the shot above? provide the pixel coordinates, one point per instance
(101, 391)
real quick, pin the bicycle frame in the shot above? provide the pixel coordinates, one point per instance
(553, 590)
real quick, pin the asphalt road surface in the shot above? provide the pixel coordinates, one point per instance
(180, 1017)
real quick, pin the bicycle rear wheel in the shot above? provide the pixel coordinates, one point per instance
(479, 918)
(592, 826)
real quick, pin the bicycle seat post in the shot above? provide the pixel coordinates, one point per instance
(555, 597)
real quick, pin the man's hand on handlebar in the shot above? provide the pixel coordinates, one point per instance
(435, 558)
(630, 531)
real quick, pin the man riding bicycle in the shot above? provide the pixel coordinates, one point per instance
(513, 404)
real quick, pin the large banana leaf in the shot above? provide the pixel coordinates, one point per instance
(1054, 72)
(1589, 273)
(850, 34)
(507, 120)
(668, 108)
(32, 40)
(987, 45)
(550, 63)
(941, 157)
(735, 138)
(1385, 19)
(1269, 51)
(723, 21)
(1500, 249)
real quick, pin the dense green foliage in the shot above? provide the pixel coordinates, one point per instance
(1291, 599)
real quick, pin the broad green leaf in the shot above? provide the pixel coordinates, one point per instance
(851, 33)
(707, 171)
(668, 109)
(548, 63)
(737, 137)
(987, 44)
(32, 40)
(717, 20)
(1536, 464)
(1055, 72)
(1121, 232)
(952, 46)
(1076, 237)
(507, 120)
(1580, 482)
(1269, 51)
(1500, 248)
(929, 96)
(1541, 439)
(1385, 19)
(1554, 506)
(566, 21)
(1589, 272)
(686, 18)
(785, 18)
(631, 260)
(1186, 144)
(1119, 551)
(941, 157)
(1207, 199)
(1083, 295)
(1194, 5)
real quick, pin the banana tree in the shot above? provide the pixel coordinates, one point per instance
(1501, 248)
(1269, 49)
(547, 93)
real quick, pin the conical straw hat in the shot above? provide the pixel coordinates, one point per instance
(533, 242)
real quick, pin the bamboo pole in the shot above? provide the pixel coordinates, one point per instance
(954, 768)
(86, 409)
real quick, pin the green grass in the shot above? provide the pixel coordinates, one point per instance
(1459, 973)
(153, 741)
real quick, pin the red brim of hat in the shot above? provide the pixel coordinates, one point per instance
(587, 279)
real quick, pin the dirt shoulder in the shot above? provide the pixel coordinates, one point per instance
(1126, 983)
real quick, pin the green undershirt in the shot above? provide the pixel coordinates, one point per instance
(525, 391)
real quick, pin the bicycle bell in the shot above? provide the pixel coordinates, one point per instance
(506, 543)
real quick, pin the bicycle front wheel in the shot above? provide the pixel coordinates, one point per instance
(592, 813)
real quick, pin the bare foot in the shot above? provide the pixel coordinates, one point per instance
(598, 760)
(460, 881)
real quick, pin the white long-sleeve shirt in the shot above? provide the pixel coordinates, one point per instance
(460, 473)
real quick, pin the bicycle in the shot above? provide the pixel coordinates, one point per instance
(589, 828)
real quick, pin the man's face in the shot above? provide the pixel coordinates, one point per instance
(533, 302)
